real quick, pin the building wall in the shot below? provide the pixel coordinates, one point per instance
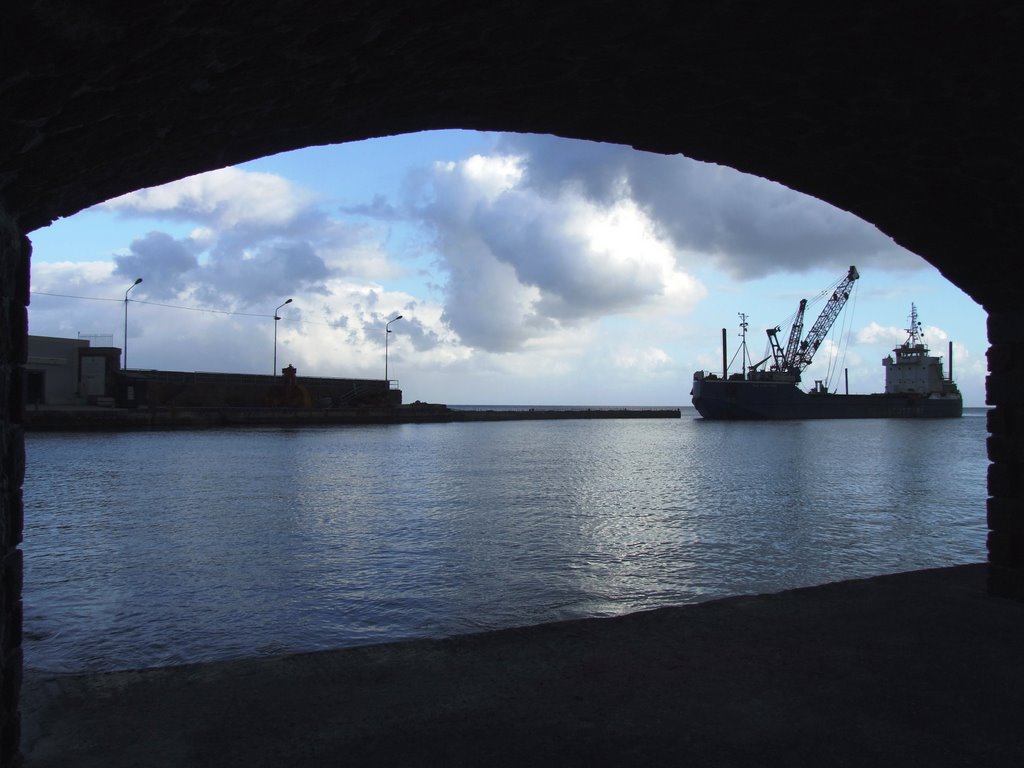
(57, 360)
(99, 374)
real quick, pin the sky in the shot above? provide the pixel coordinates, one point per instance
(527, 269)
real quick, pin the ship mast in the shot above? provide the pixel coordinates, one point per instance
(916, 335)
(743, 341)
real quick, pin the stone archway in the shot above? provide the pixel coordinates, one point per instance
(906, 115)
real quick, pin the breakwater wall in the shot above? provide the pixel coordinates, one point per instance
(540, 414)
(181, 391)
(121, 419)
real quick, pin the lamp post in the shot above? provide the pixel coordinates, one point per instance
(387, 332)
(124, 365)
(276, 318)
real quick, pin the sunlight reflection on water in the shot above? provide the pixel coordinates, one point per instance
(162, 548)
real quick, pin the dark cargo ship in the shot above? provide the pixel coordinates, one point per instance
(915, 386)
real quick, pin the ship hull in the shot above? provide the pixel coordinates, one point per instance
(733, 400)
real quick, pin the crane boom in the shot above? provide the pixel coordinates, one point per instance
(783, 358)
(824, 322)
(794, 333)
(798, 354)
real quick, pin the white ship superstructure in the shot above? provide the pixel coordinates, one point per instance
(914, 370)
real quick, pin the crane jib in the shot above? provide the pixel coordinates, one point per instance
(798, 354)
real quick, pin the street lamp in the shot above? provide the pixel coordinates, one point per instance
(124, 366)
(387, 332)
(276, 318)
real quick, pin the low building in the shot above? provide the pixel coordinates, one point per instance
(70, 372)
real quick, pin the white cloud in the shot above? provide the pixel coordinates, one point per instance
(749, 226)
(256, 237)
(69, 275)
(649, 360)
(874, 333)
(222, 199)
(522, 263)
(490, 176)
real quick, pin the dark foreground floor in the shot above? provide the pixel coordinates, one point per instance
(919, 668)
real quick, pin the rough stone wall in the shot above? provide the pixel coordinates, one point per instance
(1005, 391)
(14, 294)
(906, 114)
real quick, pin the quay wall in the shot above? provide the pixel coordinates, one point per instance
(179, 389)
(542, 414)
(126, 419)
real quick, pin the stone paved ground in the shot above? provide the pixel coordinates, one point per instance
(912, 669)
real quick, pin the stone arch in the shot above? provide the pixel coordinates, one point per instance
(893, 115)
(907, 115)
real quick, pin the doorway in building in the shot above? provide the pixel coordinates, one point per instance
(35, 387)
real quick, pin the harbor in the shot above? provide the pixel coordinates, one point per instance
(771, 141)
(71, 385)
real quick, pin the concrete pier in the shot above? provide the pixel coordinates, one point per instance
(94, 419)
(922, 668)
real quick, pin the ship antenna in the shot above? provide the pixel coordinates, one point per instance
(915, 331)
(743, 341)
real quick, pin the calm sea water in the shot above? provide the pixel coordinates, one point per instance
(170, 547)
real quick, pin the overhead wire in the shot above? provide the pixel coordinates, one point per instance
(189, 309)
(811, 305)
(151, 303)
(845, 329)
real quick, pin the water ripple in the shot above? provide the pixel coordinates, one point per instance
(166, 548)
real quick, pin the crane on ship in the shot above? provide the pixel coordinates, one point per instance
(798, 353)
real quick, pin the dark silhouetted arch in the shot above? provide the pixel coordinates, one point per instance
(906, 114)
